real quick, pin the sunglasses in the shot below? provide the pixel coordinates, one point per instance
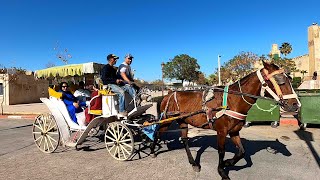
(65, 86)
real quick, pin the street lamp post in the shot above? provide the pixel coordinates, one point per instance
(162, 65)
(219, 78)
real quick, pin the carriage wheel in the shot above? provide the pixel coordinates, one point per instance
(46, 133)
(119, 141)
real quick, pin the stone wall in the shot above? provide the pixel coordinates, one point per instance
(26, 89)
(302, 63)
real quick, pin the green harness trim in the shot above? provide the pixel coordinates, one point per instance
(225, 96)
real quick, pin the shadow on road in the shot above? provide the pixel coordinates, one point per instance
(308, 138)
(251, 147)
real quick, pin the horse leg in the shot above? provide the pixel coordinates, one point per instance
(221, 152)
(184, 136)
(235, 137)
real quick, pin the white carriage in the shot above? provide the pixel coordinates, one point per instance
(57, 129)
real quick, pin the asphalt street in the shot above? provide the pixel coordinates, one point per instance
(271, 153)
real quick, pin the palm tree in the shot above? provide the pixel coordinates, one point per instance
(285, 48)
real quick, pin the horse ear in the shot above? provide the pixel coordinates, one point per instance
(264, 64)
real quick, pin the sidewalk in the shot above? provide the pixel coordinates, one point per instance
(23, 111)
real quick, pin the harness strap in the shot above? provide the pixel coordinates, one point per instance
(266, 87)
(167, 105)
(225, 96)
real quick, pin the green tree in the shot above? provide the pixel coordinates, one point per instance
(156, 82)
(213, 79)
(238, 67)
(181, 67)
(285, 48)
(201, 79)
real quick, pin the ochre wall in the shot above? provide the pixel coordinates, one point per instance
(26, 89)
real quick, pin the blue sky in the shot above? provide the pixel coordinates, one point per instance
(154, 31)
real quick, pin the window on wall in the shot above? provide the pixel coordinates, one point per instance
(1, 89)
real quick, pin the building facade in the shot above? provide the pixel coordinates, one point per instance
(21, 89)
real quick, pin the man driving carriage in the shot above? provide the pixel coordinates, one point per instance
(109, 78)
(120, 80)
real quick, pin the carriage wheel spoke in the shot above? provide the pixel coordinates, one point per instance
(52, 138)
(49, 129)
(49, 126)
(41, 141)
(110, 138)
(127, 145)
(109, 143)
(119, 155)
(126, 140)
(124, 155)
(111, 133)
(115, 152)
(118, 127)
(38, 138)
(36, 132)
(52, 133)
(39, 127)
(124, 136)
(123, 148)
(112, 147)
(44, 123)
(45, 143)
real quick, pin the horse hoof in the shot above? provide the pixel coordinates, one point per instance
(226, 178)
(153, 155)
(196, 168)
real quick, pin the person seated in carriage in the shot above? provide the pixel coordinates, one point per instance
(95, 107)
(81, 93)
(109, 79)
(72, 103)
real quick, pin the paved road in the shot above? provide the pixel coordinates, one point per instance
(271, 154)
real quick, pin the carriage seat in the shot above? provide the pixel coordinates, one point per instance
(94, 106)
(63, 109)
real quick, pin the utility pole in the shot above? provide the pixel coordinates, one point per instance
(162, 87)
(219, 78)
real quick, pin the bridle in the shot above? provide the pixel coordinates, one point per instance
(276, 80)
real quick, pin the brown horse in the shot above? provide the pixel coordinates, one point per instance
(229, 121)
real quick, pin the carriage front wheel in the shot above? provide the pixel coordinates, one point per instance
(46, 133)
(119, 141)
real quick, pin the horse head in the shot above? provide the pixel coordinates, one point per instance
(278, 86)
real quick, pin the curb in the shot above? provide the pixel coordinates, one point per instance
(289, 121)
(17, 116)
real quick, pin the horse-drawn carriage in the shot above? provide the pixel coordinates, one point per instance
(57, 128)
(223, 110)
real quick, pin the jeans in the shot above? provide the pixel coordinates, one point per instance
(130, 90)
(120, 92)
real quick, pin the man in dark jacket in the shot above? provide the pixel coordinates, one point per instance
(109, 78)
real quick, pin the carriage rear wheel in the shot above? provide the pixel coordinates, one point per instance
(46, 133)
(119, 141)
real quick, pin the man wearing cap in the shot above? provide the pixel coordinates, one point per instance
(109, 78)
(125, 74)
